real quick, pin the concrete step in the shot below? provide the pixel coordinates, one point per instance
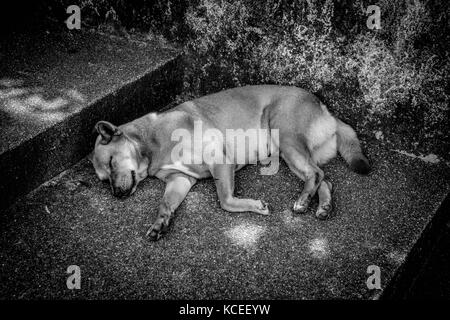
(55, 87)
(209, 253)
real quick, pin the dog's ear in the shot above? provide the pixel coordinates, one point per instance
(107, 130)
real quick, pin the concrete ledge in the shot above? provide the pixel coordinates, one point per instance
(54, 89)
(404, 280)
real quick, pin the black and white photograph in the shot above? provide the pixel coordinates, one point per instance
(224, 156)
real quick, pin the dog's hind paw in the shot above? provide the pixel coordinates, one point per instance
(324, 211)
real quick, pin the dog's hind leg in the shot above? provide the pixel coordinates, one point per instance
(299, 161)
(223, 175)
(177, 187)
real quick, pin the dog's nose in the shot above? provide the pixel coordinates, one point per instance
(119, 192)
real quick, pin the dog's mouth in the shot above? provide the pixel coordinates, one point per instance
(134, 182)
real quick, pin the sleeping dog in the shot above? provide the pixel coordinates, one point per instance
(294, 123)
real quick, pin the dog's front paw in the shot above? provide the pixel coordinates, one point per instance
(301, 205)
(157, 229)
(263, 208)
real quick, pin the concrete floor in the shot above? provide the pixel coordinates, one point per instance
(209, 253)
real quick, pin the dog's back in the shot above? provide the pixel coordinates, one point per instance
(291, 110)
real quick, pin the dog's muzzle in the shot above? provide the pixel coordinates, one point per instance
(120, 192)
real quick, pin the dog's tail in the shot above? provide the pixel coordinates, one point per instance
(350, 149)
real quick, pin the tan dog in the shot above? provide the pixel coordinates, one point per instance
(309, 136)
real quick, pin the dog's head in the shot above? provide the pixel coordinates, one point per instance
(116, 158)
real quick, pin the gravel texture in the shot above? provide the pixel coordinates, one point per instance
(209, 253)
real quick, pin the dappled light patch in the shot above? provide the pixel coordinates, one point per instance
(318, 247)
(8, 82)
(18, 100)
(245, 235)
(11, 93)
(431, 158)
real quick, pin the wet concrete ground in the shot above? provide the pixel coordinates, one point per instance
(209, 253)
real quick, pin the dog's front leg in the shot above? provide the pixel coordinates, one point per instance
(177, 187)
(224, 176)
